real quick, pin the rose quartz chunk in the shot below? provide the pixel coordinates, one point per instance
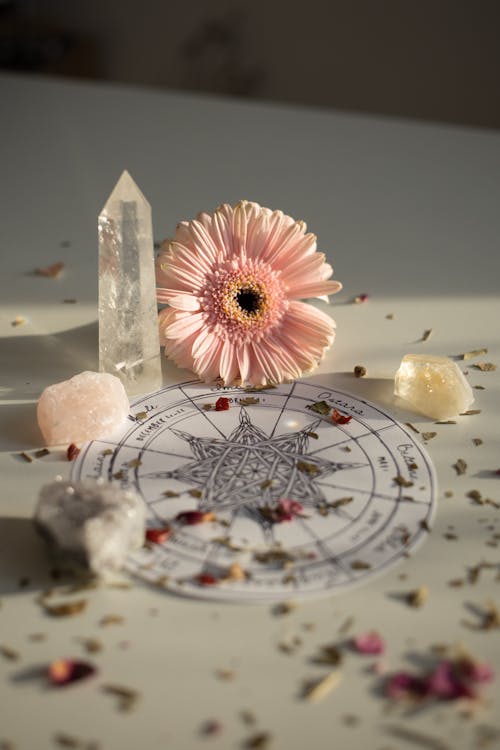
(88, 406)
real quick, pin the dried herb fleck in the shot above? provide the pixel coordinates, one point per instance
(258, 741)
(359, 371)
(9, 653)
(127, 698)
(360, 565)
(418, 597)
(140, 416)
(474, 353)
(412, 427)
(308, 468)
(249, 401)
(111, 620)
(477, 441)
(315, 690)
(470, 412)
(460, 466)
(402, 482)
(26, 457)
(50, 272)
(41, 453)
(429, 435)
(426, 334)
(485, 366)
(65, 609)
(319, 407)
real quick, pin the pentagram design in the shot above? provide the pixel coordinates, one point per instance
(250, 470)
(366, 489)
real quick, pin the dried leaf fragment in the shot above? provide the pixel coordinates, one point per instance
(474, 353)
(308, 468)
(418, 597)
(64, 609)
(360, 371)
(50, 272)
(429, 435)
(41, 453)
(26, 457)
(111, 620)
(426, 334)
(127, 697)
(360, 565)
(319, 407)
(477, 441)
(258, 741)
(460, 466)
(402, 482)
(318, 689)
(470, 412)
(412, 427)
(485, 366)
(9, 653)
(249, 401)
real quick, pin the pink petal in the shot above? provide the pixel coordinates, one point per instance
(369, 643)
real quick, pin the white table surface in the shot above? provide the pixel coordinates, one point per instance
(408, 213)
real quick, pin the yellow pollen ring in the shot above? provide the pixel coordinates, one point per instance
(233, 310)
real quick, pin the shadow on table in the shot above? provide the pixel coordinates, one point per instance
(24, 562)
(30, 363)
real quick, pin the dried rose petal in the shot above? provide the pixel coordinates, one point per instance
(405, 685)
(444, 682)
(72, 452)
(65, 671)
(369, 643)
(51, 271)
(477, 672)
(194, 517)
(205, 579)
(360, 299)
(339, 418)
(222, 404)
(158, 535)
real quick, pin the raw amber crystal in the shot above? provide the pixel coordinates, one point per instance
(434, 386)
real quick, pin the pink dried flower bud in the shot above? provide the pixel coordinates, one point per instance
(65, 671)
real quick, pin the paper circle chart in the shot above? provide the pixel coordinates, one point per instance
(292, 503)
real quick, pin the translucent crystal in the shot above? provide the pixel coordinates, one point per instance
(129, 344)
(88, 406)
(94, 523)
(434, 386)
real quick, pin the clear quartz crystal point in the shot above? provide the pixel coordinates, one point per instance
(129, 345)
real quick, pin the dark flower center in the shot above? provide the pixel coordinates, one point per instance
(249, 300)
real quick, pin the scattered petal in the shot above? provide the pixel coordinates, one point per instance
(339, 418)
(222, 404)
(158, 535)
(72, 452)
(50, 272)
(369, 643)
(65, 671)
(194, 517)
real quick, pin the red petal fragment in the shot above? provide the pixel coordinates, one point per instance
(445, 683)
(159, 535)
(222, 404)
(339, 418)
(205, 579)
(477, 672)
(65, 671)
(194, 517)
(369, 643)
(404, 685)
(72, 452)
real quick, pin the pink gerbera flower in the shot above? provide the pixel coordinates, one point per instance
(233, 281)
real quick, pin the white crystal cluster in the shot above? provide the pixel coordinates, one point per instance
(92, 522)
(129, 341)
(434, 386)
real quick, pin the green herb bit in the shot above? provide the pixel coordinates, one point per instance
(140, 415)
(313, 435)
(320, 407)
(195, 493)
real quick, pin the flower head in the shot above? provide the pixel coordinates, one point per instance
(233, 281)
